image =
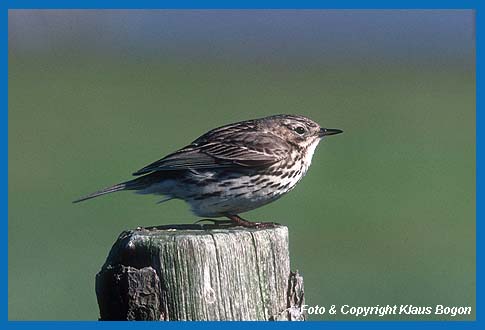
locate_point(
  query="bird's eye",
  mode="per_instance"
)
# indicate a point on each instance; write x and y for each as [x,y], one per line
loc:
[300,130]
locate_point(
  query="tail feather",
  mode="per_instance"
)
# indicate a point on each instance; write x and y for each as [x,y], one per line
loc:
[135,184]
[116,187]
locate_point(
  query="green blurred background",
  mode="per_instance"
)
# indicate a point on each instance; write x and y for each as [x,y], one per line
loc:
[386,214]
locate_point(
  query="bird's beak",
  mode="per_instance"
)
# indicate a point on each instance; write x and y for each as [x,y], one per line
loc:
[329,131]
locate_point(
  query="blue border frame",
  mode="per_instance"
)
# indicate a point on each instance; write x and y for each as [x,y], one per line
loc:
[248,4]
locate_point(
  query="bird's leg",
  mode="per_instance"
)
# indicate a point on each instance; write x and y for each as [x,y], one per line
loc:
[237,220]
[215,222]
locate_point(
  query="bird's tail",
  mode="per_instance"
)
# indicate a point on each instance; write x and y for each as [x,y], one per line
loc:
[136,184]
[116,187]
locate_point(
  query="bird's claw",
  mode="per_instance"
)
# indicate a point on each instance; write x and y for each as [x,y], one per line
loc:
[214,222]
[241,223]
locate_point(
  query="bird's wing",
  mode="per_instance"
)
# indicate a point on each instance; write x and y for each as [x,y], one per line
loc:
[246,149]
[186,158]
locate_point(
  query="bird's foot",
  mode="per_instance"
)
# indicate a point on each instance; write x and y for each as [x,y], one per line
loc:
[214,222]
[237,220]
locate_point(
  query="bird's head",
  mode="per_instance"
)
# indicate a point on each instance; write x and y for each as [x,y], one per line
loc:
[296,129]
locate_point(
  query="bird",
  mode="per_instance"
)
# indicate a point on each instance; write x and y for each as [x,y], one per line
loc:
[234,168]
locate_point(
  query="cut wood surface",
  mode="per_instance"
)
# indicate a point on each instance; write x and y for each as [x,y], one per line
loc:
[200,272]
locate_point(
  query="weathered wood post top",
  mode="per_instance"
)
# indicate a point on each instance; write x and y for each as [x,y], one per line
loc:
[200,272]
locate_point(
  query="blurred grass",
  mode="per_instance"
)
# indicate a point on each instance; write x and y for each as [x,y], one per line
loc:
[386,214]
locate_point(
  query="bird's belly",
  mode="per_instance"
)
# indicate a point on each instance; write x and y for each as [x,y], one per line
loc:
[216,200]
[229,204]
[215,194]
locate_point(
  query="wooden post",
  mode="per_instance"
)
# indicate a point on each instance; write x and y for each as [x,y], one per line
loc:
[195,272]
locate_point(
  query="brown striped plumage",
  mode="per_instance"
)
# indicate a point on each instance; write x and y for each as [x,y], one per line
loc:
[233,168]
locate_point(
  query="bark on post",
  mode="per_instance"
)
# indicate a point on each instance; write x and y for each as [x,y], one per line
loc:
[193,272]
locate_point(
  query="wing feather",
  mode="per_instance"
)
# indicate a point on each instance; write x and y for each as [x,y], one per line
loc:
[247,149]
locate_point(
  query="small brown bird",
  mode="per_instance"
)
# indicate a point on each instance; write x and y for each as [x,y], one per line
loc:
[234,168]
